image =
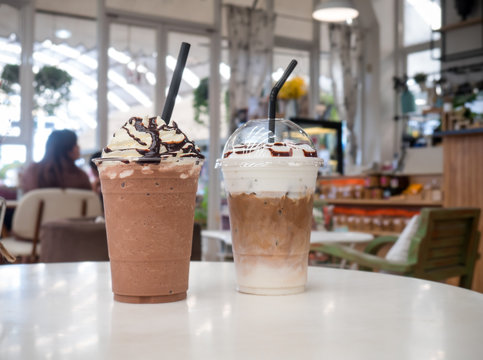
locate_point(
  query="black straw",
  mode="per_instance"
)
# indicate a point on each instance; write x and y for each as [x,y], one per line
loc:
[175,81]
[272,104]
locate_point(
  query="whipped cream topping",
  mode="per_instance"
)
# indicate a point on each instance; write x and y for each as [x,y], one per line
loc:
[263,151]
[150,138]
[270,170]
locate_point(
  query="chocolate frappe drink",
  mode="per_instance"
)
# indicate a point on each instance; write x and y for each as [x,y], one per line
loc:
[149,178]
[270,182]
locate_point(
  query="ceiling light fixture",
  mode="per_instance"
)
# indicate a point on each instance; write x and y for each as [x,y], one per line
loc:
[335,11]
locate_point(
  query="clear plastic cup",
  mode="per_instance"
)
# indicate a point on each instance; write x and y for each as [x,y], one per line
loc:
[149,208]
[270,180]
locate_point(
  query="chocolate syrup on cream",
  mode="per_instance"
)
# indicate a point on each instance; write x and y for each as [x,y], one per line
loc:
[287,150]
[171,148]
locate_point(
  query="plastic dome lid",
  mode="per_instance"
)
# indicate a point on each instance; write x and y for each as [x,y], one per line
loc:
[255,140]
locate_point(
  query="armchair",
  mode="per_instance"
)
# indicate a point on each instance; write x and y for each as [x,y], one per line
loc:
[42,205]
[445,245]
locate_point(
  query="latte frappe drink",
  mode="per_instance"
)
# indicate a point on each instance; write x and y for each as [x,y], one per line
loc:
[270,182]
[149,178]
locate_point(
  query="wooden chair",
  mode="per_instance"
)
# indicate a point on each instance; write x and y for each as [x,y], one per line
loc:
[445,245]
[4,254]
[42,205]
[196,243]
[73,239]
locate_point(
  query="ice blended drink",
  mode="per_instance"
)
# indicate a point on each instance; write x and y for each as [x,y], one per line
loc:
[270,182]
[149,178]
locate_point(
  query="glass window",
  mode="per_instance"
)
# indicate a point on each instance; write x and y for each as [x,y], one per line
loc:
[326,108]
[281,58]
[65,72]
[132,73]
[420,18]
[424,62]
[422,71]
[191,111]
[9,72]
[12,157]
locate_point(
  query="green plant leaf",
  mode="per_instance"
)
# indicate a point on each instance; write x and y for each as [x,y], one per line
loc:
[53,86]
[200,100]
[10,75]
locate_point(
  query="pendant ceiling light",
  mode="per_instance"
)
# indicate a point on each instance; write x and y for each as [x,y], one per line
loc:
[335,11]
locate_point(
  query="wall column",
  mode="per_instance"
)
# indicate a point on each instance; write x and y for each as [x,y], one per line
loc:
[102,69]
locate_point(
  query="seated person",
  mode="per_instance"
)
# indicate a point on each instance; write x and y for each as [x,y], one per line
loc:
[57,169]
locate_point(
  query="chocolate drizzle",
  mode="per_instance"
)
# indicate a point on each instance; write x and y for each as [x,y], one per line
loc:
[310,153]
[159,148]
[242,149]
[276,153]
[151,129]
[138,125]
[287,152]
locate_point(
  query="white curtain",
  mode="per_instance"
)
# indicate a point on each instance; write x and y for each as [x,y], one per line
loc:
[346,62]
[250,34]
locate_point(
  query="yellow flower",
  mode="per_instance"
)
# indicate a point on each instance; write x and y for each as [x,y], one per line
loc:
[293,89]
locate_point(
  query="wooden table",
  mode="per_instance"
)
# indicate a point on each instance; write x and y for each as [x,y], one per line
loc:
[66,311]
[463,179]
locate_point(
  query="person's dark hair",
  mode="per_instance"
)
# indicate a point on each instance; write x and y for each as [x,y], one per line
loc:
[56,159]
[93,166]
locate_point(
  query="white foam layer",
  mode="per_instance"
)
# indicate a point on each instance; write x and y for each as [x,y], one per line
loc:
[277,177]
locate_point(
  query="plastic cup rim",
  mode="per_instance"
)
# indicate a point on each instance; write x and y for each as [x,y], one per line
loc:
[255,162]
[148,160]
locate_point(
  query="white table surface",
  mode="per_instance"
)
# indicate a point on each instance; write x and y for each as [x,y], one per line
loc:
[66,311]
[348,237]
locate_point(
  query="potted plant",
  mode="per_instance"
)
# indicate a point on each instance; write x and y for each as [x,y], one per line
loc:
[420,79]
[9,77]
[52,85]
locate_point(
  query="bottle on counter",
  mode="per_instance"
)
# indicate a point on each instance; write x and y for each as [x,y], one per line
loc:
[385,186]
[398,184]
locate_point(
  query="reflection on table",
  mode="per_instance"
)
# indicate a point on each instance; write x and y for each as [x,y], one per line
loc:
[66,311]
